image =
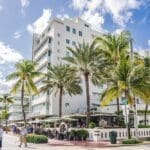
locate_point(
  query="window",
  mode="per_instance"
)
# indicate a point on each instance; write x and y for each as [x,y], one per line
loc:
[67,41]
[58,58]
[49,40]
[49,53]
[48,28]
[58,43]
[73,43]
[74,31]
[67,53]
[58,34]
[66,104]
[86,25]
[68,28]
[58,50]
[80,33]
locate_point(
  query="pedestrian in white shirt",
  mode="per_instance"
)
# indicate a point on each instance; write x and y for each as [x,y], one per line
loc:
[23,135]
[1,136]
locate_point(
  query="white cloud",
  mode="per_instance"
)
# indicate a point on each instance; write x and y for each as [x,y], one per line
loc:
[25,3]
[94,18]
[79,4]
[5,86]
[119,30]
[120,10]
[39,25]
[62,16]
[16,35]
[148,42]
[8,54]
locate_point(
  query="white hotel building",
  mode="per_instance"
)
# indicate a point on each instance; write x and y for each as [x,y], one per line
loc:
[51,47]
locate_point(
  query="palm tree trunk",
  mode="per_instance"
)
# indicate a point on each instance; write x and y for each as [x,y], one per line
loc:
[60,101]
[118,108]
[128,123]
[87,98]
[145,114]
[5,113]
[22,104]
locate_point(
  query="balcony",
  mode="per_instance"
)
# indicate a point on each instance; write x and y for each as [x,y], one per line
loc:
[41,50]
[39,100]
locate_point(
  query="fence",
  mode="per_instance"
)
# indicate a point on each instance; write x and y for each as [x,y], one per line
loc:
[103,134]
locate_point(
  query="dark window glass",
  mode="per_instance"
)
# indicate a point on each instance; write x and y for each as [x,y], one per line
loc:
[67,41]
[73,43]
[80,33]
[68,28]
[58,34]
[58,43]
[74,30]
[49,40]
[49,53]
[86,25]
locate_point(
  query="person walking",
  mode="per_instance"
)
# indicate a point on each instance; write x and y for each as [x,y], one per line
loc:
[1,136]
[23,135]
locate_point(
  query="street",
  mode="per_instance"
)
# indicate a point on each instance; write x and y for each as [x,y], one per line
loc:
[11,143]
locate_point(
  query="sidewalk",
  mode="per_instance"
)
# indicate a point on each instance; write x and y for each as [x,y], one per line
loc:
[11,142]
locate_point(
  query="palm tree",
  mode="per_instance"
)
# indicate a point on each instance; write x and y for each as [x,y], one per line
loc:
[111,46]
[24,75]
[85,58]
[129,80]
[6,99]
[147,65]
[61,79]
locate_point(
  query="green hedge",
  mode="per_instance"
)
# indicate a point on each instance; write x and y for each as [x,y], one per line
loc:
[131,141]
[143,126]
[92,125]
[79,134]
[33,138]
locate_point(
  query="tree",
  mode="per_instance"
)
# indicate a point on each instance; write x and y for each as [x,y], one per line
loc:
[112,46]
[6,99]
[24,75]
[61,79]
[129,79]
[85,59]
[147,65]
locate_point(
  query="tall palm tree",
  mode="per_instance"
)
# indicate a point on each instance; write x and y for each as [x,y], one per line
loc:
[85,58]
[24,75]
[6,99]
[61,79]
[129,80]
[147,65]
[111,46]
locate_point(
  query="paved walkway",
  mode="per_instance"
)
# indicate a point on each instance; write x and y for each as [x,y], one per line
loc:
[11,143]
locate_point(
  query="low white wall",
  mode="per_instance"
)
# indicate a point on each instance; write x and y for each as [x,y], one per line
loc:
[103,134]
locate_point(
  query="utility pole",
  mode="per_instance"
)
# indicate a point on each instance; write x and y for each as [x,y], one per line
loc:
[135,106]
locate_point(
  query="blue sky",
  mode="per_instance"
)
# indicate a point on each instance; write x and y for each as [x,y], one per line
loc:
[20,18]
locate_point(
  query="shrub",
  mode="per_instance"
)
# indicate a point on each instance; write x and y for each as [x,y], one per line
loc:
[113,137]
[143,126]
[92,125]
[33,138]
[79,134]
[131,141]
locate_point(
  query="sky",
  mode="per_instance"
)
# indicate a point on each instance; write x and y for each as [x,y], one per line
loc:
[19,19]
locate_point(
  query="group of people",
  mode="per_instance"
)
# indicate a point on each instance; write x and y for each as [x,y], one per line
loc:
[22,135]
